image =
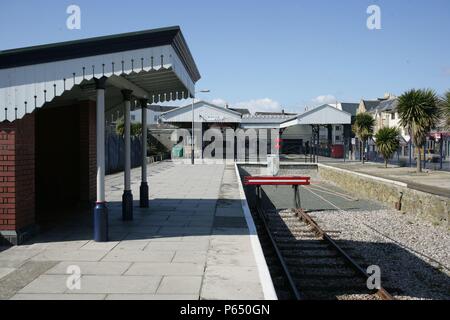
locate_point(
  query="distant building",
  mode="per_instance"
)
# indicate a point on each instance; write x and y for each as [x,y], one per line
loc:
[370,105]
[153,114]
[351,108]
[282,113]
[242,111]
[322,126]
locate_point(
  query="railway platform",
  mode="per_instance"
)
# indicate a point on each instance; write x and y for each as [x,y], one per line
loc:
[194,242]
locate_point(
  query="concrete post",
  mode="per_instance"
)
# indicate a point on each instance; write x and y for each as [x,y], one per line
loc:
[127,197]
[143,190]
[100,210]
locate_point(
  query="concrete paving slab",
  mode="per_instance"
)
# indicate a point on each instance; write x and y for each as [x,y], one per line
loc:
[166,269]
[190,257]
[166,238]
[59,245]
[49,296]
[229,212]
[178,246]
[5,271]
[92,245]
[183,231]
[23,275]
[67,255]
[91,268]
[118,284]
[11,263]
[164,253]
[134,244]
[123,255]
[152,297]
[222,282]
[47,284]
[180,285]
[231,257]
[18,254]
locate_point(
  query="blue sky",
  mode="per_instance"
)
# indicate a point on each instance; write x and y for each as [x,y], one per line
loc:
[269,54]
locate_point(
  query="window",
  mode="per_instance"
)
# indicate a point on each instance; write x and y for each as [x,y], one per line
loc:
[338,138]
[393,116]
[338,128]
[155,118]
[133,117]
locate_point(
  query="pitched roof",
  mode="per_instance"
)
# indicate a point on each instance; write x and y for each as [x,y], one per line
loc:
[350,107]
[267,118]
[388,105]
[187,109]
[371,104]
[102,45]
[240,110]
[324,114]
[263,113]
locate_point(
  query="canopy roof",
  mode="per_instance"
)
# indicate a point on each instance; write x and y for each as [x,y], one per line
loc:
[155,64]
[322,115]
[204,112]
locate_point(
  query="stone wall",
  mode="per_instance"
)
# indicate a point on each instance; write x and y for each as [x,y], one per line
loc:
[432,207]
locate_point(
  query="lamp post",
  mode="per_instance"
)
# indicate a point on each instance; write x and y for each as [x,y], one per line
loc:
[192,133]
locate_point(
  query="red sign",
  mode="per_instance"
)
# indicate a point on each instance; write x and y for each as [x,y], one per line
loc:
[277,181]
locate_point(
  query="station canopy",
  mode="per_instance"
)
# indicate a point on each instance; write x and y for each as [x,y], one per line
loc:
[156,64]
[322,115]
[204,112]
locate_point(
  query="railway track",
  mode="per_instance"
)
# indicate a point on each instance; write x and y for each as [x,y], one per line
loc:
[307,263]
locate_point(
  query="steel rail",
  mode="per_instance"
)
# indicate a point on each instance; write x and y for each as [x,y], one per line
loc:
[280,258]
[303,216]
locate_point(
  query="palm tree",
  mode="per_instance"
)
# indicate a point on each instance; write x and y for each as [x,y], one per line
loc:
[445,105]
[387,142]
[418,111]
[363,128]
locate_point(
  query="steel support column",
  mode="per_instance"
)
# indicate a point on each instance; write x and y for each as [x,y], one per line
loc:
[100,210]
[192,133]
[143,190]
[127,197]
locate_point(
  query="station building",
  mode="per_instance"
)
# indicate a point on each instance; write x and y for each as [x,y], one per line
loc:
[53,101]
[322,126]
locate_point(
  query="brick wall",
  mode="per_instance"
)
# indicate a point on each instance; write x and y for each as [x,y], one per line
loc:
[17,173]
[88,155]
[39,141]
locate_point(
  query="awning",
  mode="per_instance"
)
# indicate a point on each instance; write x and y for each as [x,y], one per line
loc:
[322,115]
[155,64]
[204,112]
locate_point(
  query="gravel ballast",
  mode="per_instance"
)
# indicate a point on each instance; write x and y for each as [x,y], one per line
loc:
[413,255]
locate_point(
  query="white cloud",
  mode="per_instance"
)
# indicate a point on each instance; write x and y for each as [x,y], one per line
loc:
[265,104]
[319,100]
[219,102]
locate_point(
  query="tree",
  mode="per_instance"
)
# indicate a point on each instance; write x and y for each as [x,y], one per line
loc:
[418,112]
[363,129]
[135,128]
[387,142]
[445,108]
